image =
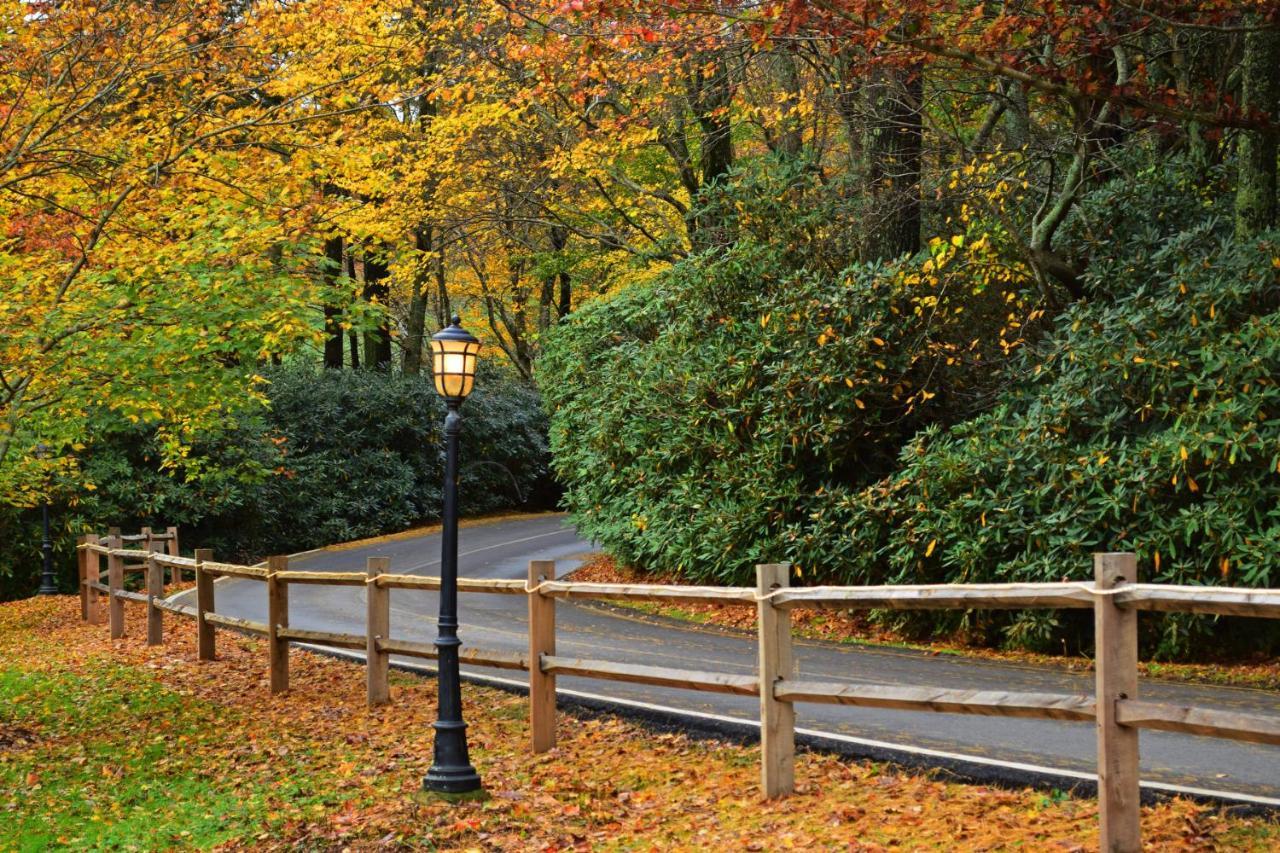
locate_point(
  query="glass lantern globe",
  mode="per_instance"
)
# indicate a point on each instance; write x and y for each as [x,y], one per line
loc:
[454,355]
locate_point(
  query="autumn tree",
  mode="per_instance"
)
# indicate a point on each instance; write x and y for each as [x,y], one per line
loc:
[156,243]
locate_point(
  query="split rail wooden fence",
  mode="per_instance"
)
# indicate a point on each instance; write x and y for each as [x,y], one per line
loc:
[1115,597]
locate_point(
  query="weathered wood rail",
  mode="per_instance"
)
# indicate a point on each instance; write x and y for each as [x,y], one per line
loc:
[1115,597]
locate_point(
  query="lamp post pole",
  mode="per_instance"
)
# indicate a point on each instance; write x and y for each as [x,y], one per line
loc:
[451,771]
[48,584]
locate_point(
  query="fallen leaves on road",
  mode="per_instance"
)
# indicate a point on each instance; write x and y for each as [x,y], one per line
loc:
[314,769]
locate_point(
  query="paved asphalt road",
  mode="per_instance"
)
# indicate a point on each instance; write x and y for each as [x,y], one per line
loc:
[584,629]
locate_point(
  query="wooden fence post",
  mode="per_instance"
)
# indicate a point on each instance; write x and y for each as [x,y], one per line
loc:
[104,612]
[542,641]
[172,549]
[115,582]
[277,618]
[377,627]
[155,592]
[205,643]
[93,574]
[1116,667]
[777,719]
[82,573]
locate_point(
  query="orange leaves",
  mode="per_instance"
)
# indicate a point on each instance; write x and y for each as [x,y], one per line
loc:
[609,782]
[153,213]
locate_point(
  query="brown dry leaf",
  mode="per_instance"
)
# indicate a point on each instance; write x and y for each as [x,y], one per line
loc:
[610,783]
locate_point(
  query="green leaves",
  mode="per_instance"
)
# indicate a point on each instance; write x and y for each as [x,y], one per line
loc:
[734,402]
[749,408]
[1145,421]
[337,455]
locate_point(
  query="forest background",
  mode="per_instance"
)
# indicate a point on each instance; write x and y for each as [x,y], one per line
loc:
[929,290]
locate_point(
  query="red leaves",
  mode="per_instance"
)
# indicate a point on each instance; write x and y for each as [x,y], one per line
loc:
[579,7]
[1063,50]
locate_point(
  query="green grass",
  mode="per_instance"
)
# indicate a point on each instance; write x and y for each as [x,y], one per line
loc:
[121,762]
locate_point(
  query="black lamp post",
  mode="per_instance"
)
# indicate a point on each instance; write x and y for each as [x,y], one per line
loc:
[454,353]
[48,584]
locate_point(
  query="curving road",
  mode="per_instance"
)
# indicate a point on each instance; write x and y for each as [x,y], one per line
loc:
[1047,751]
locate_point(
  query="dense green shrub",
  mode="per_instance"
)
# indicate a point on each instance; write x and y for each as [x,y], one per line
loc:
[338,455]
[1149,420]
[702,420]
[362,454]
[694,435]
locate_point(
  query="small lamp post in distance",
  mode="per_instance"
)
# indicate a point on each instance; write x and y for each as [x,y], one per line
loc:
[454,354]
[48,584]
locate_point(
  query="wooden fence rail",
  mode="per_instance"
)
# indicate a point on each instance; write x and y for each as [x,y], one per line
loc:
[1114,596]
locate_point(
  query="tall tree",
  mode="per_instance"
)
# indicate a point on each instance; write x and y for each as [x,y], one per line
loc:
[377,292]
[333,332]
[148,205]
[896,151]
[1256,201]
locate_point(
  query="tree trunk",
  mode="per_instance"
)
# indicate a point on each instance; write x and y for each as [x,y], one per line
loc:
[416,323]
[711,96]
[444,308]
[848,103]
[566,294]
[1260,96]
[352,336]
[1017,131]
[377,288]
[897,139]
[714,97]
[332,328]
[790,136]
[508,326]
[564,303]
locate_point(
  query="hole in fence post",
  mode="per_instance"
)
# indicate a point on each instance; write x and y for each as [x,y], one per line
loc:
[206,648]
[377,630]
[542,641]
[1116,669]
[777,719]
[277,618]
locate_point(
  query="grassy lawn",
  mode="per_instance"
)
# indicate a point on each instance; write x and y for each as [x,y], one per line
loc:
[111,745]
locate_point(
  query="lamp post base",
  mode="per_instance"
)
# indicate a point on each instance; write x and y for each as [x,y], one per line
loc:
[452,780]
[451,771]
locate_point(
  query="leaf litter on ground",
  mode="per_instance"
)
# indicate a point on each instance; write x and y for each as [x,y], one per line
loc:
[115,744]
